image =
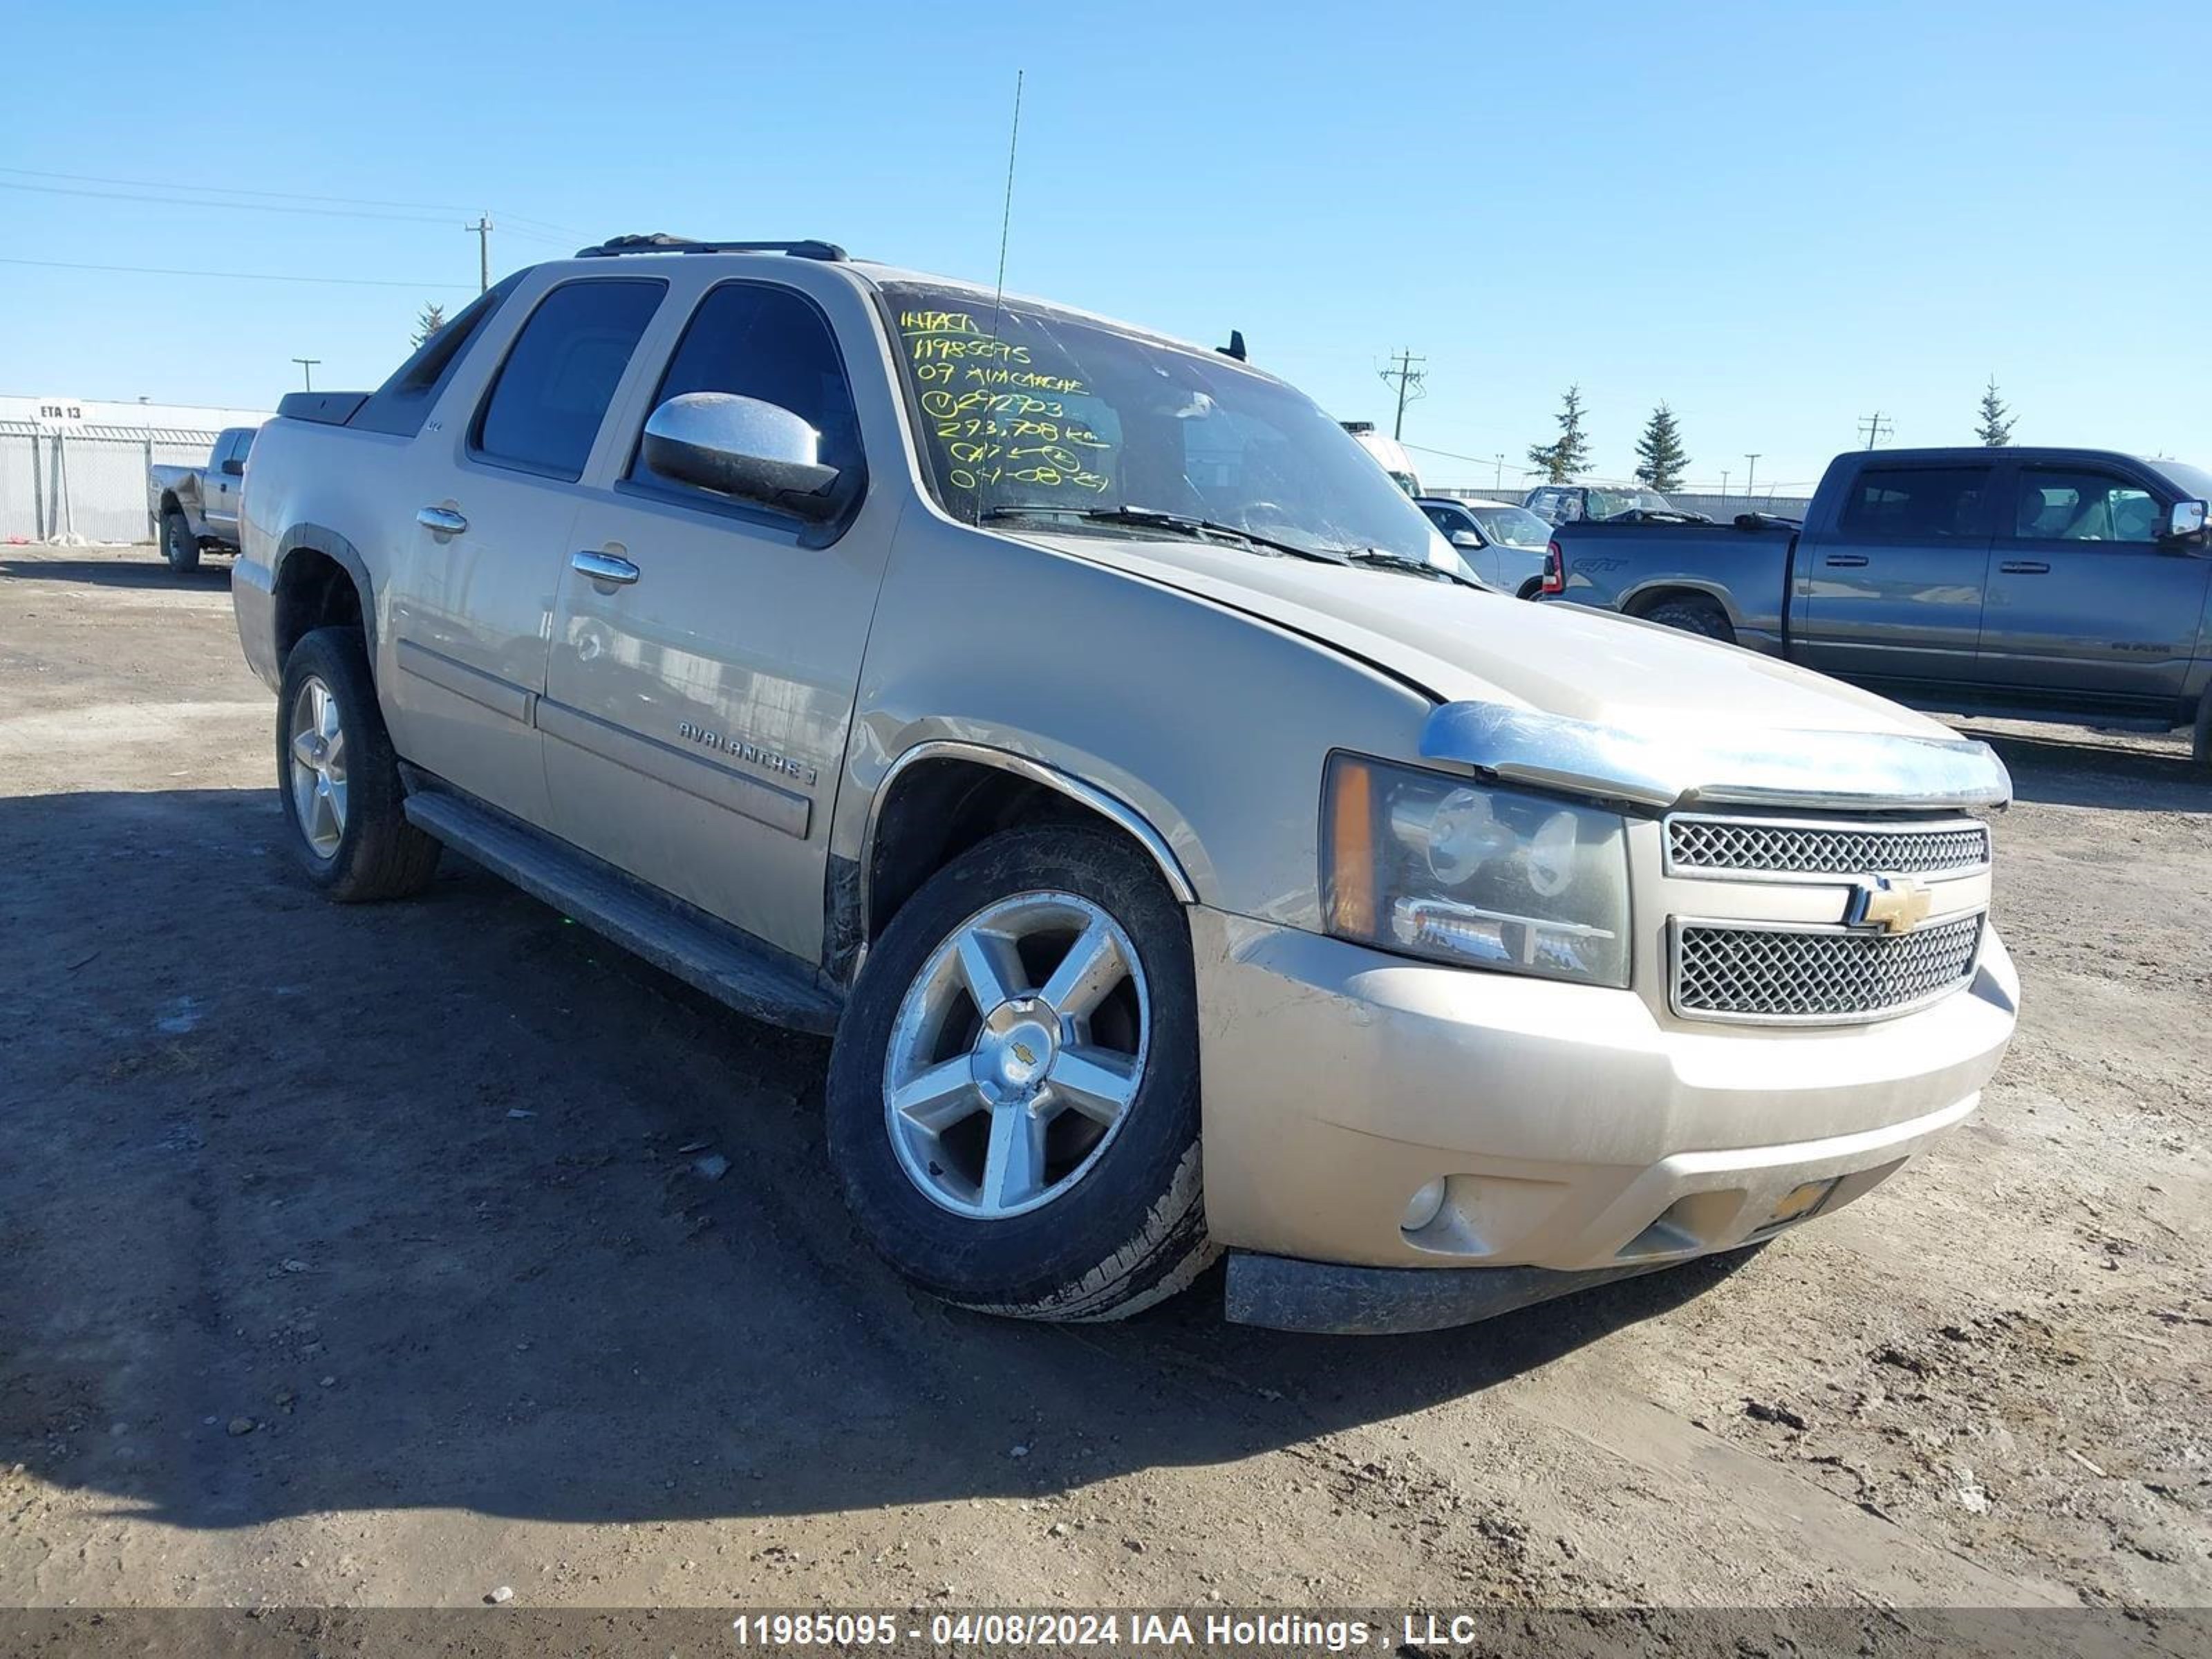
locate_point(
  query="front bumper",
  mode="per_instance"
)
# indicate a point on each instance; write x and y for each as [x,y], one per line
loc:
[1575,1128]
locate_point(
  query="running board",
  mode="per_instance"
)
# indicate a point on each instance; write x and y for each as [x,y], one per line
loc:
[701,952]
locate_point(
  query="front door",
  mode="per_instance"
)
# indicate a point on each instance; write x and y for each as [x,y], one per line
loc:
[705,653]
[1892,592]
[219,493]
[482,542]
[2085,600]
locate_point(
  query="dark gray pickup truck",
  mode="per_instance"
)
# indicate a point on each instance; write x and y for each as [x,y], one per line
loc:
[2069,585]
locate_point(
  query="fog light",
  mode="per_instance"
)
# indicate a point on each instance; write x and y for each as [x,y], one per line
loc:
[1422,1208]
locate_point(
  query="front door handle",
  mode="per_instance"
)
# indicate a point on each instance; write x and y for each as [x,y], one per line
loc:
[1845,561]
[441,520]
[604,567]
[2025,567]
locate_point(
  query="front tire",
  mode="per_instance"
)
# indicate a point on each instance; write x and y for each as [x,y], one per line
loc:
[338,777]
[1013,1094]
[179,545]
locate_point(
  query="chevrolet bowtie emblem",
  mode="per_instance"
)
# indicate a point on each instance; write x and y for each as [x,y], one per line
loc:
[1896,904]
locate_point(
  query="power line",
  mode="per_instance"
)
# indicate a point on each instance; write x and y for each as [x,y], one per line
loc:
[226,275]
[171,187]
[246,207]
[229,189]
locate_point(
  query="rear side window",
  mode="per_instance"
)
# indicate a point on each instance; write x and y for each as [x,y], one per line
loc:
[771,344]
[1916,501]
[544,409]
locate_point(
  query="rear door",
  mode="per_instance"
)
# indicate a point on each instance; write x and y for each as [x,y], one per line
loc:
[696,708]
[1893,589]
[482,535]
[2085,600]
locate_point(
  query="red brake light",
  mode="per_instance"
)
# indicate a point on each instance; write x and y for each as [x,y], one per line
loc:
[1555,569]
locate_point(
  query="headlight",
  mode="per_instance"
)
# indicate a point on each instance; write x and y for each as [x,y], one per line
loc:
[1433,865]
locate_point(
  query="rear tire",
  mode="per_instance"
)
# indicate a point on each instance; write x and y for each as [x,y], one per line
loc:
[1083,1080]
[179,545]
[338,778]
[2200,746]
[1694,616]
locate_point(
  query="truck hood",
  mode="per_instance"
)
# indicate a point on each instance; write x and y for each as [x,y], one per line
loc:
[1460,645]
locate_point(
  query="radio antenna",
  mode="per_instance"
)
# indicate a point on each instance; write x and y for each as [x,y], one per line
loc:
[1006,215]
[1005,226]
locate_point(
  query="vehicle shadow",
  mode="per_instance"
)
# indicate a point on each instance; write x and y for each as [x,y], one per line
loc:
[311,1207]
[2093,770]
[147,570]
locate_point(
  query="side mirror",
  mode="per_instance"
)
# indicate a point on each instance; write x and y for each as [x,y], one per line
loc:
[744,448]
[1465,538]
[236,468]
[2187,520]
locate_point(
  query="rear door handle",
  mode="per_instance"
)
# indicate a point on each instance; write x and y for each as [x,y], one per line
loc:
[441,519]
[1845,561]
[604,567]
[2025,567]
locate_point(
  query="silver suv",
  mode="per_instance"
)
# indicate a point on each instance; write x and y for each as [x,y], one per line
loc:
[1076,723]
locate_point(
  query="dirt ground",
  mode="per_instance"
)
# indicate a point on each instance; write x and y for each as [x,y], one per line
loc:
[363,1256]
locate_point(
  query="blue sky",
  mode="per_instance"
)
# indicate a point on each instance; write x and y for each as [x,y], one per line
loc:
[1778,219]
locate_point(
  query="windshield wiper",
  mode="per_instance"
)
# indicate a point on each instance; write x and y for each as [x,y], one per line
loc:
[1154,518]
[1376,557]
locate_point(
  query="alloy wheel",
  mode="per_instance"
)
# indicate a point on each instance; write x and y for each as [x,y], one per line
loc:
[319,767]
[1016,1053]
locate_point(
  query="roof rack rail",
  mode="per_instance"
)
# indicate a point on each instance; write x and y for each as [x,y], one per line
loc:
[661,243]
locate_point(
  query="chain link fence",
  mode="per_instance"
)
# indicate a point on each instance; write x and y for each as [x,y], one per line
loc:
[86,484]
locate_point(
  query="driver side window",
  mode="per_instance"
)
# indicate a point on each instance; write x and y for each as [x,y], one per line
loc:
[770,343]
[2075,505]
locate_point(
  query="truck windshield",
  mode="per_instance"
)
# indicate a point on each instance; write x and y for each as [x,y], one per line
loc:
[1611,504]
[1512,526]
[1027,409]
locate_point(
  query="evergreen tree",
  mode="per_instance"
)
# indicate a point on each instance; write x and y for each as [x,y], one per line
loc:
[432,319]
[1996,430]
[1568,453]
[1661,452]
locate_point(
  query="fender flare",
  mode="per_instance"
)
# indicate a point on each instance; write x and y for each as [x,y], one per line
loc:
[1109,806]
[318,538]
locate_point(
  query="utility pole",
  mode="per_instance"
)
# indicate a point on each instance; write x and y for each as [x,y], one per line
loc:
[1409,380]
[1724,478]
[1751,473]
[1874,428]
[482,229]
[308,370]
[1498,483]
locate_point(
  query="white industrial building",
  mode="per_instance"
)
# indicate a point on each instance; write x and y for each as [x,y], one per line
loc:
[74,469]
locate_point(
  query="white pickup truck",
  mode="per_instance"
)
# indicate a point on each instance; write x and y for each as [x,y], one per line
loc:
[1187,856]
[196,506]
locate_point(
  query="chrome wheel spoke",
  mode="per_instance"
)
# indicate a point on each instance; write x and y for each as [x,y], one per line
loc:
[1092,968]
[1096,1082]
[1013,1165]
[991,967]
[939,1097]
[334,755]
[303,749]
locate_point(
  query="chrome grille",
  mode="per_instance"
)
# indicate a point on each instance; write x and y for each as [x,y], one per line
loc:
[1752,846]
[1728,971]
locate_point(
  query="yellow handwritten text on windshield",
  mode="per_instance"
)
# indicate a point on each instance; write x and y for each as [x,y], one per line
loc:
[998,416]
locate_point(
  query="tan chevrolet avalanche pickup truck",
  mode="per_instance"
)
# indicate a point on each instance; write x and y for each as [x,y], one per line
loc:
[1188,855]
